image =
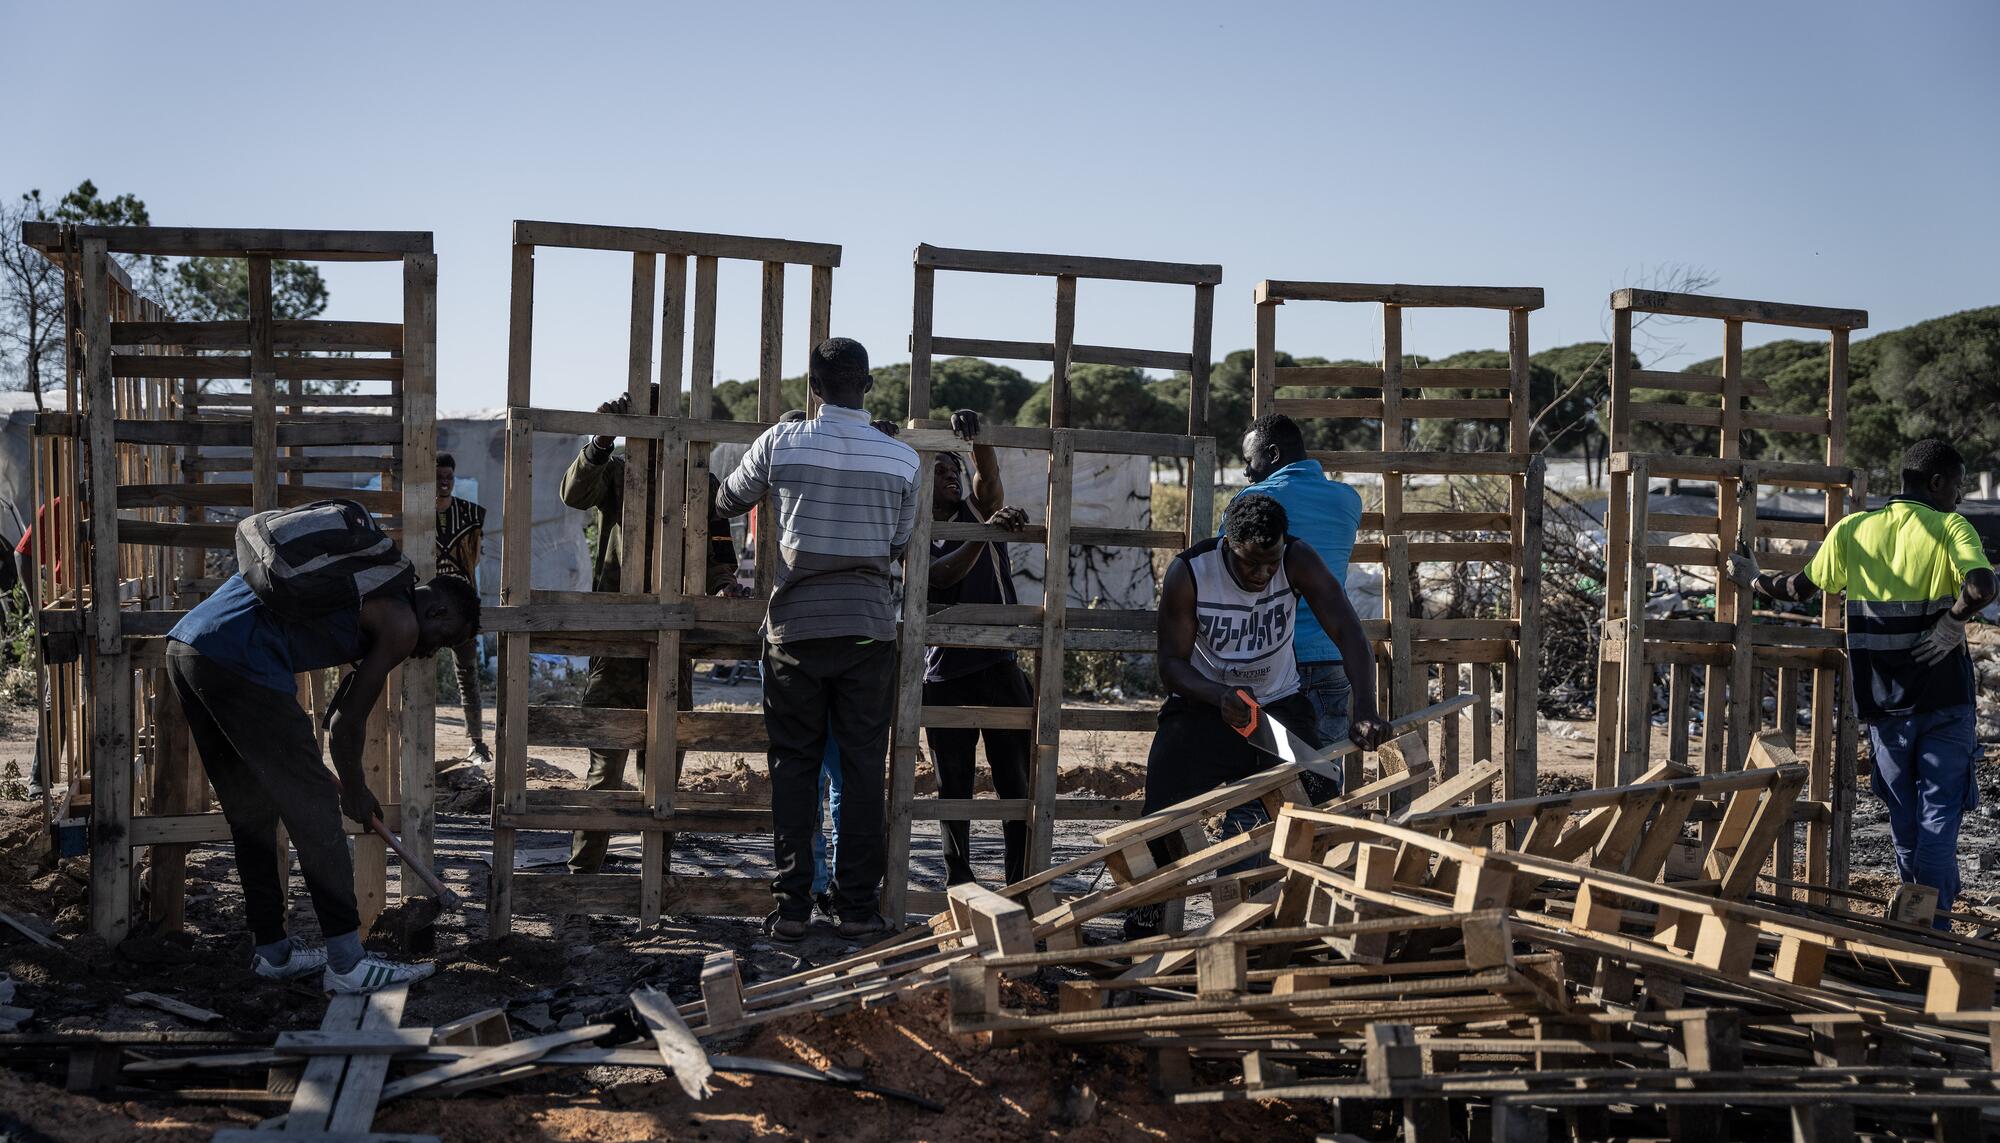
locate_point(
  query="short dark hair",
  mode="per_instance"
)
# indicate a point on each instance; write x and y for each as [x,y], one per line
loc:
[839,363]
[1930,458]
[1280,430]
[1254,518]
[460,595]
[445,461]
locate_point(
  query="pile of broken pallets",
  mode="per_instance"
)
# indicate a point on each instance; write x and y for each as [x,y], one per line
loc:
[1506,970]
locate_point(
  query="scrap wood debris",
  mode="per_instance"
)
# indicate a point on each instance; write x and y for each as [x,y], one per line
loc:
[1485,969]
[1628,951]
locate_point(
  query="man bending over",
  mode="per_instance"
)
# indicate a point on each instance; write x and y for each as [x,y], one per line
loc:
[233,662]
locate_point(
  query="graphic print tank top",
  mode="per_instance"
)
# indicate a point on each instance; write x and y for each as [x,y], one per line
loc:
[1243,639]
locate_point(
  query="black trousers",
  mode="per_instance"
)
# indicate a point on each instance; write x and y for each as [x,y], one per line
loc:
[264,761]
[1007,755]
[1195,750]
[851,686]
[465,657]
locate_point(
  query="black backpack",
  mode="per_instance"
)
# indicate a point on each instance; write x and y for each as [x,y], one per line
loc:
[327,556]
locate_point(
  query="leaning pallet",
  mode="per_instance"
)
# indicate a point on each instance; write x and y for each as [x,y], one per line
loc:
[1478,424]
[1739,659]
[1060,623]
[659,612]
[151,420]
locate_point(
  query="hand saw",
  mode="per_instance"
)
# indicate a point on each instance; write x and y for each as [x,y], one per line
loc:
[1266,733]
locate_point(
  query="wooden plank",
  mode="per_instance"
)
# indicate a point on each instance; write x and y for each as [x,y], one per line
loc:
[312,1105]
[219,242]
[1459,409]
[501,1056]
[1411,462]
[680,243]
[678,1046]
[416,729]
[922,345]
[1045,351]
[1061,265]
[1737,309]
[904,745]
[1523,680]
[1048,689]
[1366,408]
[1476,297]
[1061,353]
[1265,368]
[238,496]
[286,368]
[1198,359]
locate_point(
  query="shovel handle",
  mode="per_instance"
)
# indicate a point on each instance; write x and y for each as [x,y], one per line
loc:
[445,896]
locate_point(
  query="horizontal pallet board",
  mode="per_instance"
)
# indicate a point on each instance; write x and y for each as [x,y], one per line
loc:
[1046,351]
[1737,309]
[1063,265]
[1471,297]
[223,242]
[681,243]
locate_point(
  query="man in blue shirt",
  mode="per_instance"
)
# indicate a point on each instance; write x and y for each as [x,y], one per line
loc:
[1326,514]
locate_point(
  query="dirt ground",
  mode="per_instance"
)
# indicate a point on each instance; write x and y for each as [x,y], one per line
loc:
[564,972]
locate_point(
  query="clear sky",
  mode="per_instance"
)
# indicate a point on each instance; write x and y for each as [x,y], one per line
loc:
[1827,153]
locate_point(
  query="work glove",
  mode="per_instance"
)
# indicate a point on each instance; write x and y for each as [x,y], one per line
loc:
[1945,636]
[1743,570]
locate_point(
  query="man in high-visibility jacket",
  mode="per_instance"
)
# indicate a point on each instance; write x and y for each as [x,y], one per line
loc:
[1913,573]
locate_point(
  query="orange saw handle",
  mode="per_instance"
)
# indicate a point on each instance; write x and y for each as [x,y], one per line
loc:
[1256,714]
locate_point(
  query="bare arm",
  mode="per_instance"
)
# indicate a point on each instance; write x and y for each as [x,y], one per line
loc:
[1978,590]
[752,478]
[1177,636]
[391,628]
[958,564]
[989,492]
[1328,600]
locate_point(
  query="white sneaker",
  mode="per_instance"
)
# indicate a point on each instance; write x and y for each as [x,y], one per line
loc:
[373,974]
[302,962]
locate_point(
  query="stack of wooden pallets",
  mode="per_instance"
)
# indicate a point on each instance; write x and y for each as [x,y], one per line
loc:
[1630,953]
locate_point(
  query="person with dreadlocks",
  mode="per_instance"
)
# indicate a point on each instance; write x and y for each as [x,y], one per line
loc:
[1914,573]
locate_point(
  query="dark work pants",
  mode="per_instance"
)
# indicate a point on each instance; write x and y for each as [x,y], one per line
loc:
[811,686]
[465,657]
[1007,754]
[263,759]
[617,683]
[1195,751]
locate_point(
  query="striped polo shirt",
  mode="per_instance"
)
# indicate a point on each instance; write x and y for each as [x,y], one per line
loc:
[846,500]
[1900,566]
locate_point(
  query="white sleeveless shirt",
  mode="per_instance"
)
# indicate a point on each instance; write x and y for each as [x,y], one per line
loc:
[1243,639]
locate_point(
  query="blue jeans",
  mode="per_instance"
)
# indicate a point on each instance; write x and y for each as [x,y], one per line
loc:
[829,794]
[1923,772]
[1326,687]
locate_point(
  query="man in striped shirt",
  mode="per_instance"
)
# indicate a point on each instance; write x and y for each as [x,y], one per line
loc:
[845,496]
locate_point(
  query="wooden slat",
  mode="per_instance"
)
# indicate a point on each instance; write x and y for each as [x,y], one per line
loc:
[1045,351]
[287,335]
[1738,309]
[1327,376]
[1474,297]
[1369,408]
[1425,463]
[237,495]
[1466,409]
[218,242]
[1666,413]
[1813,423]
[1063,265]
[1707,383]
[682,243]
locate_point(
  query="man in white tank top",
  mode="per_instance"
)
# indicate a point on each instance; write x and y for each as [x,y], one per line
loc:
[1227,613]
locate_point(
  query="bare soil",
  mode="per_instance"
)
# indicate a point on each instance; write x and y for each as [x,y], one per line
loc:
[554,972]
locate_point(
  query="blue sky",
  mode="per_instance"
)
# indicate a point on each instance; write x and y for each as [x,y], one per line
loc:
[1826,153]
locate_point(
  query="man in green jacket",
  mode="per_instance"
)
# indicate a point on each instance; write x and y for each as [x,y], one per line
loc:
[595,483]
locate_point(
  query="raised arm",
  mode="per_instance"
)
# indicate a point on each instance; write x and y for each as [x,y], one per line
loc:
[752,478]
[989,492]
[1328,600]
